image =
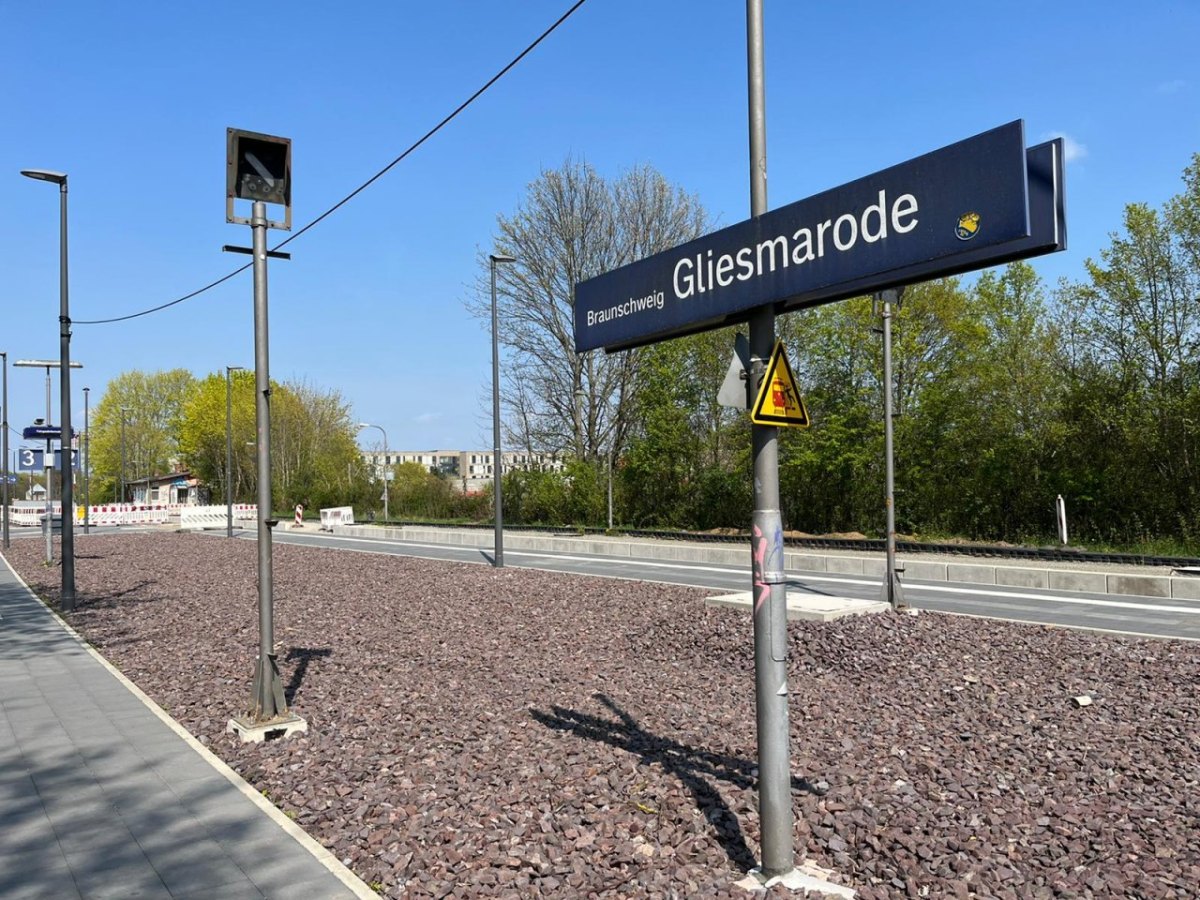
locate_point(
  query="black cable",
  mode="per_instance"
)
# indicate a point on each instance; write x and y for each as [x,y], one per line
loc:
[358,190]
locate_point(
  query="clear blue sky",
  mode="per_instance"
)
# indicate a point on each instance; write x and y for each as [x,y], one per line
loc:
[133,99]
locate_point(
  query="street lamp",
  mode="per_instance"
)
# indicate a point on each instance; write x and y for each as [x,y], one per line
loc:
[497,465]
[229,448]
[123,410]
[362,425]
[87,444]
[64,333]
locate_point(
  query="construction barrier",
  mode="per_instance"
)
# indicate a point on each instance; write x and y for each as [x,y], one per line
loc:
[29,513]
[128,514]
[336,515]
[201,517]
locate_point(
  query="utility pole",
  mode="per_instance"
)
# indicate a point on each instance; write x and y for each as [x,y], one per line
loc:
[893,593]
[769,581]
[259,169]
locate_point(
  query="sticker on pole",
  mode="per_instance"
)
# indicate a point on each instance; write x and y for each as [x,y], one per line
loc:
[779,401]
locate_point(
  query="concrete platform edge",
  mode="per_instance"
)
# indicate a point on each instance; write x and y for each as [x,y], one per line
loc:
[302,837]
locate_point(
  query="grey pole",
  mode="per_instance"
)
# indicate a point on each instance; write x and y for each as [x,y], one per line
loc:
[47,463]
[385,464]
[87,445]
[386,513]
[67,494]
[122,455]
[769,582]
[892,592]
[268,688]
[229,450]
[4,440]
[497,460]
[610,456]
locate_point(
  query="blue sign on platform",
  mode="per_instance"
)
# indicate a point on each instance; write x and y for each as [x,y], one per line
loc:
[43,433]
[34,460]
[979,202]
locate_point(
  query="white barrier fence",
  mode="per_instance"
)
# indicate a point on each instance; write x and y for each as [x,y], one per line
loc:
[201,517]
[29,513]
[125,514]
[336,515]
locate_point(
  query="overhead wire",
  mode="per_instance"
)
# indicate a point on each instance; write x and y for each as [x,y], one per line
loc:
[362,187]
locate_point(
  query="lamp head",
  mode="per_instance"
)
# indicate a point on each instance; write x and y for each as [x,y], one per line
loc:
[502,258]
[58,178]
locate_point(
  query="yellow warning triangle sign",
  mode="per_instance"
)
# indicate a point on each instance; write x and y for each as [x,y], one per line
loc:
[779,401]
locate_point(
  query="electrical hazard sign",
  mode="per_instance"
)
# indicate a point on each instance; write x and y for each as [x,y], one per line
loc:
[779,401]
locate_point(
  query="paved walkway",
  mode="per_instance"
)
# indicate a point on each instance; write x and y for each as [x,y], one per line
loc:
[101,798]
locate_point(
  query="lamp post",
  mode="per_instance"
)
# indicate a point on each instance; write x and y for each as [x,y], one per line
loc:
[497,464]
[4,440]
[87,444]
[229,448]
[64,334]
[123,411]
[362,425]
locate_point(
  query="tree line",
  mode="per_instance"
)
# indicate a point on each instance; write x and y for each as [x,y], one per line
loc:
[1008,392]
[153,423]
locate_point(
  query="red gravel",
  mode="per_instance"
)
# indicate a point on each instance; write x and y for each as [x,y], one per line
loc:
[516,733]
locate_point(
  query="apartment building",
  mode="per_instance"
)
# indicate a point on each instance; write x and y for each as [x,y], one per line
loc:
[469,470]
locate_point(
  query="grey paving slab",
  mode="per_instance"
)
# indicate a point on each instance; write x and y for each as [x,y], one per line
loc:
[100,798]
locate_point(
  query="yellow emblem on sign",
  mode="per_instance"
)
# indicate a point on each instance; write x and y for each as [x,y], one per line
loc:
[779,401]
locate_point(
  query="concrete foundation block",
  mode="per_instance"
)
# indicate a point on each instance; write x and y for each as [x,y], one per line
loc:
[805,607]
[254,732]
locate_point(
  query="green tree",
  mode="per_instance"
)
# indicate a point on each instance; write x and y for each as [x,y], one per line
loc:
[314,458]
[144,407]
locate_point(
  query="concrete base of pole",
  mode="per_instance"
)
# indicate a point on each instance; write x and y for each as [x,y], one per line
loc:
[807,607]
[892,592]
[254,732]
[805,879]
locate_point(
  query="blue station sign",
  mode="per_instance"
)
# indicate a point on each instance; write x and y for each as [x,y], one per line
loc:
[43,432]
[979,202]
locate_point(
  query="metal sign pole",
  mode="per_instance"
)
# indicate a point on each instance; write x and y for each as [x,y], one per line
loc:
[268,688]
[892,592]
[769,583]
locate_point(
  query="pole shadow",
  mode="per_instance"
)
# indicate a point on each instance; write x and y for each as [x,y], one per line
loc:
[305,655]
[692,766]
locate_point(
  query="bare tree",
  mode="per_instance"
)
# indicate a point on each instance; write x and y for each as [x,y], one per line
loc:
[573,225]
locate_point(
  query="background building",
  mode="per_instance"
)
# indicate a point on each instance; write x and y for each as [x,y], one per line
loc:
[468,470]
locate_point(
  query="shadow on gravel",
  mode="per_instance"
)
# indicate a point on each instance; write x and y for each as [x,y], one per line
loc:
[305,655]
[115,597]
[690,765]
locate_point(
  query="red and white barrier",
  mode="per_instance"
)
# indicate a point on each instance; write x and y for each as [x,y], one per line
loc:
[201,517]
[128,514]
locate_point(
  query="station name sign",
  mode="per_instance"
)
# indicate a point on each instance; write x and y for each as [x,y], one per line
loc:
[979,202]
